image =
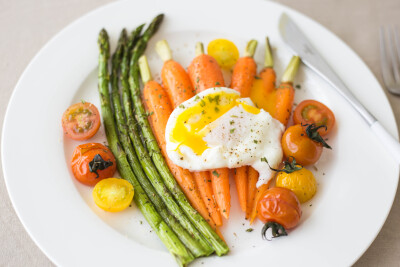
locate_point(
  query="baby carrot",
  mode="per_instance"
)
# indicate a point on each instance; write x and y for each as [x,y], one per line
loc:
[221,188]
[252,190]
[204,184]
[242,80]
[205,73]
[241,181]
[179,88]
[285,92]
[245,70]
[263,92]
[174,77]
[159,107]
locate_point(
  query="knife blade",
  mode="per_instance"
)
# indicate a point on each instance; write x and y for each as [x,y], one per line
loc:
[296,40]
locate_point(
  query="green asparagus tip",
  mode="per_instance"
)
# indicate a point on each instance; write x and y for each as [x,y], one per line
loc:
[138,29]
[291,70]
[145,72]
[153,27]
[163,50]
[268,61]
[199,49]
[103,42]
[250,48]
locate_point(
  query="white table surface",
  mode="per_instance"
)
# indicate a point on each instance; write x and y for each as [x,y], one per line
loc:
[26,25]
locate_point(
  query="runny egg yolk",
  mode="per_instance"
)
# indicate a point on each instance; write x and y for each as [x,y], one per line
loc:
[193,123]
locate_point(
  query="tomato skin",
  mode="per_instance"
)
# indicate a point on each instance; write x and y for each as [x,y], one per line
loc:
[83,154]
[279,205]
[312,111]
[81,121]
[301,182]
[296,143]
[224,51]
[113,194]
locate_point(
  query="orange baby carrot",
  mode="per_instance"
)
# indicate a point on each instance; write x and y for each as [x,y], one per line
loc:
[205,73]
[179,88]
[242,80]
[252,189]
[220,183]
[241,181]
[158,105]
[204,184]
[259,193]
[285,92]
[245,70]
[263,92]
[174,77]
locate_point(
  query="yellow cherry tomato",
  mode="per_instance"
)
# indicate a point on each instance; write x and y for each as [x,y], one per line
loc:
[302,182]
[224,51]
[113,194]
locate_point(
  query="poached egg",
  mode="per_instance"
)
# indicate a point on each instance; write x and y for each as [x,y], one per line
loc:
[216,129]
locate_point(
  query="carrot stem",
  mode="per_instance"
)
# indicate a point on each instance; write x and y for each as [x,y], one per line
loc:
[145,69]
[199,49]
[268,60]
[250,48]
[163,50]
[291,70]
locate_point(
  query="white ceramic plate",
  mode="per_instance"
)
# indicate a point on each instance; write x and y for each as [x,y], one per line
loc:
[357,179]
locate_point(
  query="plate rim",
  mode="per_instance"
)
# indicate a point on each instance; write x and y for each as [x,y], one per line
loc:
[106,6]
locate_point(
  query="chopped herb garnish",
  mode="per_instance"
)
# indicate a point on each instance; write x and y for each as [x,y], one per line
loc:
[264,159]
[232,130]
[217,83]
[216,109]
[231,122]
[181,106]
[197,97]
[298,86]
[215,173]
[255,141]
[249,230]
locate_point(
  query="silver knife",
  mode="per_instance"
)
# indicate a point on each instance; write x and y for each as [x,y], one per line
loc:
[296,40]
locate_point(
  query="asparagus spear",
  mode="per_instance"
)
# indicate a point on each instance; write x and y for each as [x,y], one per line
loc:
[187,239]
[167,236]
[156,180]
[212,237]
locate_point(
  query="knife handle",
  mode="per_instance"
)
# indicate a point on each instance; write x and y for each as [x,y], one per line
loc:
[387,140]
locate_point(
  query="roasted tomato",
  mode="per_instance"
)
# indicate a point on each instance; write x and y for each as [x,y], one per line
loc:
[92,162]
[304,143]
[224,51]
[279,209]
[301,181]
[113,194]
[311,111]
[81,121]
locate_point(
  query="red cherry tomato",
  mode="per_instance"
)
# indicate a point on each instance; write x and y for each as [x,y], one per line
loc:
[92,162]
[279,209]
[311,111]
[279,205]
[81,121]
